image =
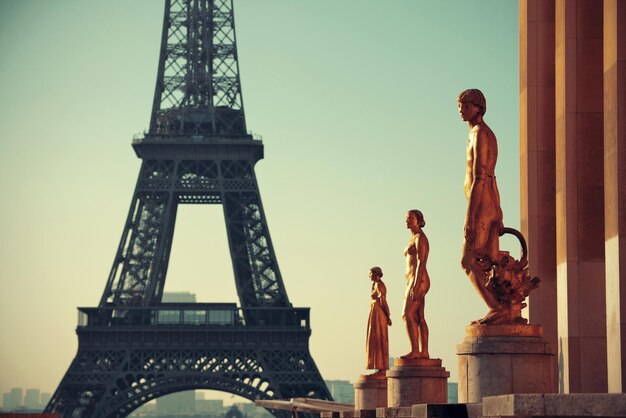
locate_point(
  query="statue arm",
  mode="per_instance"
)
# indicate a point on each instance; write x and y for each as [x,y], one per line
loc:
[423,249]
[383,303]
[376,293]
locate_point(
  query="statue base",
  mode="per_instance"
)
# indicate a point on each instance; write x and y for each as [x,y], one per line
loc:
[416,381]
[504,359]
[370,392]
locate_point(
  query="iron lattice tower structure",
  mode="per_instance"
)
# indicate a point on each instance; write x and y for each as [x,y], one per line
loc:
[133,347]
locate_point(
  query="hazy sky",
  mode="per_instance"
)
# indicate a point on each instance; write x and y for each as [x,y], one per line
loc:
[355,101]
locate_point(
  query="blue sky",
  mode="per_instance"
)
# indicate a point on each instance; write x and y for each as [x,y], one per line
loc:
[355,101]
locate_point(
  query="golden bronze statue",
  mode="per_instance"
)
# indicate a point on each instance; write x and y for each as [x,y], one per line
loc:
[377,344]
[417,285]
[502,282]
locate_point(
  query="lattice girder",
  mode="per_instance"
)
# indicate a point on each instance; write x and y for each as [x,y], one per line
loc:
[112,381]
[138,274]
[251,252]
[142,247]
[198,86]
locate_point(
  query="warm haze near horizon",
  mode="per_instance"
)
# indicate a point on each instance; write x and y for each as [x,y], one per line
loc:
[356,103]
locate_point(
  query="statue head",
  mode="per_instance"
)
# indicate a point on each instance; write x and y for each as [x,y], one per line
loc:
[475,97]
[419,217]
[376,271]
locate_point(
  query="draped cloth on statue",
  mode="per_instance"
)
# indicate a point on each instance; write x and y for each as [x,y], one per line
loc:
[377,346]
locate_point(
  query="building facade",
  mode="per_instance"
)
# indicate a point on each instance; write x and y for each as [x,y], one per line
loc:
[573,183]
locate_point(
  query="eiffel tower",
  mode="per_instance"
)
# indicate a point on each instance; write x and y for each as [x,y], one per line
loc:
[133,347]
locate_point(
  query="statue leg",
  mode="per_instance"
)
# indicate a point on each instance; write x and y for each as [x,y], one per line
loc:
[412,327]
[504,313]
[492,242]
[423,326]
[476,273]
[477,276]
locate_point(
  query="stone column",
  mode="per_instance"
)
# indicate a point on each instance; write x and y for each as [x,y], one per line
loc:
[501,359]
[537,142]
[416,381]
[615,189]
[370,392]
[580,196]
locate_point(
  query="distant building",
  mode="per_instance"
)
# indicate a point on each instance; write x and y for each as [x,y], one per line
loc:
[178,297]
[341,390]
[234,412]
[6,401]
[180,403]
[453,392]
[17,398]
[247,409]
[45,398]
[32,399]
[209,407]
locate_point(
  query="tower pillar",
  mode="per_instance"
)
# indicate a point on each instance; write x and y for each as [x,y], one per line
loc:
[538,161]
[615,189]
[572,156]
[580,196]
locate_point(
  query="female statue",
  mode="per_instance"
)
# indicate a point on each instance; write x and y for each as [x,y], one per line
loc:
[377,345]
[417,285]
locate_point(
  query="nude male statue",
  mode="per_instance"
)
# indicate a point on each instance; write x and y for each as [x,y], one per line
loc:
[483,220]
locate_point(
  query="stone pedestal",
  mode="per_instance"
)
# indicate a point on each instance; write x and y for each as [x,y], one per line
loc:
[370,392]
[504,359]
[416,381]
[556,405]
